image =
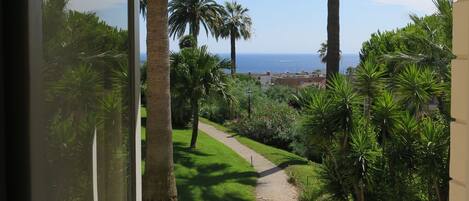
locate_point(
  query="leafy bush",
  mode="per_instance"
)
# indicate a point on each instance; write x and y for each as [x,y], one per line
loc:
[270,123]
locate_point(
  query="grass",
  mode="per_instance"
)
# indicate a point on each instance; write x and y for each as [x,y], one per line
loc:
[212,172]
[302,173]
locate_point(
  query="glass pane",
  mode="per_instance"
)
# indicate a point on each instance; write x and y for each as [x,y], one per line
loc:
[87,98]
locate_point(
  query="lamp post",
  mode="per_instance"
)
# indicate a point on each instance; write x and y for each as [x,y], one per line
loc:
[249,103]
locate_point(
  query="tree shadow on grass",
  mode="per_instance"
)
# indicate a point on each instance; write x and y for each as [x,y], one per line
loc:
[202,185]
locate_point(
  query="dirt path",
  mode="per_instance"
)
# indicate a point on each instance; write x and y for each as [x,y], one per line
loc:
[272,184]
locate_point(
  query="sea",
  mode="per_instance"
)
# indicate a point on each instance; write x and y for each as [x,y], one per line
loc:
[285,63]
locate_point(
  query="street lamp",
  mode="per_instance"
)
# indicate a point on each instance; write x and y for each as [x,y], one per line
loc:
[249,102]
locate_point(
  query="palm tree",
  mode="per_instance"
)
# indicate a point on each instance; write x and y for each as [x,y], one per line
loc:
[236,24]
[193,13]
[198,74]
[333,38]
[159,182]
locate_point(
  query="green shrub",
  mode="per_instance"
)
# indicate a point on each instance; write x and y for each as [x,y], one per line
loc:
[270,123]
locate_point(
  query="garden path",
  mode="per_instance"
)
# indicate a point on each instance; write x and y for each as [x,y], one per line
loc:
[272,184]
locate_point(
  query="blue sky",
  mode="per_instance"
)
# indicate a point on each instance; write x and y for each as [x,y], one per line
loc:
[289,26]
[299,26]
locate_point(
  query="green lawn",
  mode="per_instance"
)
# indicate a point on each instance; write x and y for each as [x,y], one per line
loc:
[302,173]
[212,172]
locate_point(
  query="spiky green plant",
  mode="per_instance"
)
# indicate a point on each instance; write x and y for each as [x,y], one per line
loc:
[369,82]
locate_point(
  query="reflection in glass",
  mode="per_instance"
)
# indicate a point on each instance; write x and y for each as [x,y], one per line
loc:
[87,98]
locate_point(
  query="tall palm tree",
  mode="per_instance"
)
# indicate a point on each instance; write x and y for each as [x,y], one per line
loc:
[236,24]
[198,74]
[333,38]
[193,13]
[158,182]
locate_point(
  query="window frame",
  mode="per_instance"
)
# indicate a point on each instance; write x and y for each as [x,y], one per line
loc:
[22,156]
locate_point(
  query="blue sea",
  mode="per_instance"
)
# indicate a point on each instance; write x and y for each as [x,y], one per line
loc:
[282,63]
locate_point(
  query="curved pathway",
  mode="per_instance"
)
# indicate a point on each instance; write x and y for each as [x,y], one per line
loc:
[272,184]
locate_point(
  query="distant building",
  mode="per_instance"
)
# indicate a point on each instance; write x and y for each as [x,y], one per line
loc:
[301,81]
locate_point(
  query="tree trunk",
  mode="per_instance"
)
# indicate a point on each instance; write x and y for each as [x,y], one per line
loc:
[159,183]
[333,39]
[195,122]
[437,190]
[233,55]
[359,192]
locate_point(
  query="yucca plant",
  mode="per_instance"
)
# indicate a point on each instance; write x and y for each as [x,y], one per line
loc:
[319,119]
[345,100]
[363,158]
[386,112]
[369,82]
[433,154]
[416,87]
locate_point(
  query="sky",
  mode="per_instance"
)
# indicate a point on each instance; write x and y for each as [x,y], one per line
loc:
[290,26]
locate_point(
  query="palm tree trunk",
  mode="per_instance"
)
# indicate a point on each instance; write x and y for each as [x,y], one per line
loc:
[159,183]
[233,55]
[333,39]
[195,122]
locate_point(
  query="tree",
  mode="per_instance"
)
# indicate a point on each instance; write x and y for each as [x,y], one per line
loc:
[159,183]
[196,74]
[236,24]
[193,13]
[323,52]
[333,38]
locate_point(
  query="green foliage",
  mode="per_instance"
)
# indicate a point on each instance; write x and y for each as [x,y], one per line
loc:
[236,22]
[193,14]
[301,172]
[279,93]
[187,41]
[416,87]
[270,123]
[86,89]
[195,75]
[398,148]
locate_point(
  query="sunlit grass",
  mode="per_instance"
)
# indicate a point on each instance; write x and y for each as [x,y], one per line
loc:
[302,173]
[212,172]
